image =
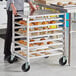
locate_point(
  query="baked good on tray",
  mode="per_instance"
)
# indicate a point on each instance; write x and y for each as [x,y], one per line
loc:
[45,27]
[65,4]
[31,24]
[34,34]
[32,40]
[37,23]
[52,22]
[43,33]
[22,53]
[21,41]
[39,49]
[60,3]
[42,39]
[30,45]
[36,54]
[44,22]
[46,53]
[70,3]
[42,43]
[36,28]
[23,22]
[49,42]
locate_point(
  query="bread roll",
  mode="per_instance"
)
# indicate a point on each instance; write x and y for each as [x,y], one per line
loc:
[32,40]
[70,3]
[65,4]
[23,22]
[44,22]
[59,3]
[49,42]
[52,22]
[42,39]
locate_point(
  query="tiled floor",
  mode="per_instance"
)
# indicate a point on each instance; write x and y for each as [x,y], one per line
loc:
[39,67]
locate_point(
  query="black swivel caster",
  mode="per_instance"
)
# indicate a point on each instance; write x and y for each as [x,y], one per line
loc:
[25,67]
[63,60]
[12,59]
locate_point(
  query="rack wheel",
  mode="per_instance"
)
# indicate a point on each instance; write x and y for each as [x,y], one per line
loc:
[63,60]
[25,67]
[12,59]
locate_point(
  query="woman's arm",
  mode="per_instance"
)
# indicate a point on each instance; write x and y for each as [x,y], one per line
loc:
[13,9]
[31,5]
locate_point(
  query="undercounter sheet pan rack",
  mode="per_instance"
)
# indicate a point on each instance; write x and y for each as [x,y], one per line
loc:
[40,34]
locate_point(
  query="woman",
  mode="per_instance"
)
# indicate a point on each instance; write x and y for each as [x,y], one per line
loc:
[13,6]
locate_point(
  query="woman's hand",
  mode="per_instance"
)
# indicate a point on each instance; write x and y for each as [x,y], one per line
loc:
[31,6]
[14,9]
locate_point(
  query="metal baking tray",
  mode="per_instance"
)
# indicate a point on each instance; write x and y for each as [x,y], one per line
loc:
[67,6]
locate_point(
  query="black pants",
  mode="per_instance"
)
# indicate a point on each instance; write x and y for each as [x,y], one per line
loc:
[8,38]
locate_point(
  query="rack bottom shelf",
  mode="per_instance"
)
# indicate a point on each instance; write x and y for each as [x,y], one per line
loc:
[33,56]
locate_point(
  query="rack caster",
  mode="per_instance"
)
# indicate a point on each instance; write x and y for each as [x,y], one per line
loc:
[12,59]
[63,60]
[26,67]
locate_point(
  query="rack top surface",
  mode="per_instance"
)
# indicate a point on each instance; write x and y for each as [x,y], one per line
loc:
[41,12]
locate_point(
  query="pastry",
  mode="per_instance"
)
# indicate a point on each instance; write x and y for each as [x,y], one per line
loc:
[40,44]
[50,32]
[36,43]
[25,43]
[59,3]
[31,51]
[24,54]
[24,32]
[44,22]
[30,24]
[45,27]
[47,53]
[21,41]
[65,4]
[39,50]
[47,49]
[37,23]
[30,56]
[49,42]
[20,52]
[70,3]
[30,30]
[32,40]
[36,54]
[52,22]
[42,52]
[31,19]
[20,30]
[30,45]
[42,39]
[23,22]
[42,33]
[34,34]
[36,28]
